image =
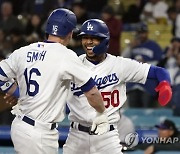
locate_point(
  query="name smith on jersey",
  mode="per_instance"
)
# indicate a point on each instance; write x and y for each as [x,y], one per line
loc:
[34,56]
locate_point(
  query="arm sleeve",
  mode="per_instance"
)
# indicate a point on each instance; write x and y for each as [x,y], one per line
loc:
[5,86]
[159,74]
[134,71]
[155,76]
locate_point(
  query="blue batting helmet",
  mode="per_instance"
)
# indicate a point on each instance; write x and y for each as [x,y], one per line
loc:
[60,22]
[96,27]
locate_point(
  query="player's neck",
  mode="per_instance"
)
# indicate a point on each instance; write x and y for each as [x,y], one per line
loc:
[63,41]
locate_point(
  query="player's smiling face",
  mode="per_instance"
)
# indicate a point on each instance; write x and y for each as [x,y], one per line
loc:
[88,42]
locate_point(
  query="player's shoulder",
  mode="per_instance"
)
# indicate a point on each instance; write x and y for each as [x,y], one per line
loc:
[26,48]
[114,58]
[71,54]
[120,60]
[21,50]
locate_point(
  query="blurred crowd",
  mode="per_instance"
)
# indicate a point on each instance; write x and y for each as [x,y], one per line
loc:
[22,22]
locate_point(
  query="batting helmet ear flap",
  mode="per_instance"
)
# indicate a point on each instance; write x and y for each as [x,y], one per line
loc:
[102,47]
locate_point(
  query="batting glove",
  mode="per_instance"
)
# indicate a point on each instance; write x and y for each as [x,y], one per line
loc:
[100,124]
[16,110]
[165,92]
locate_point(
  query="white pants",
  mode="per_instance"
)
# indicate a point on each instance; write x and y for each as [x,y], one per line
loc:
[79,142]
[28,139]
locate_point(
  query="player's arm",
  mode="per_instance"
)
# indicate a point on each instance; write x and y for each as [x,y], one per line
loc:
[100,124]
[8,67]
[7,85]
[163,86]
[10,87]
[93,96]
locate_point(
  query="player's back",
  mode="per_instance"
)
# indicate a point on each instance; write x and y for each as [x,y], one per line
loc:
[40,71]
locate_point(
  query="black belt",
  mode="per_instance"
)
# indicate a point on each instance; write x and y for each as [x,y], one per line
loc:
[88,129]
[32,122]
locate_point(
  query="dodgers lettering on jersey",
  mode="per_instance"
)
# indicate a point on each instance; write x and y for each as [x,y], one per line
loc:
[101,82]
[33,56]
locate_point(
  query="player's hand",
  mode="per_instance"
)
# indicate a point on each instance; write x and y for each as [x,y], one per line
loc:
[12,100]
[100,124]
[16,110]
[165,92]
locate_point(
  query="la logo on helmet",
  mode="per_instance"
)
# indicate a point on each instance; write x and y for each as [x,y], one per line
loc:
[89,26]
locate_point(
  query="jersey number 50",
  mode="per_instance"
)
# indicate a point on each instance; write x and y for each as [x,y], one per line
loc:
[111,98]
[30,82]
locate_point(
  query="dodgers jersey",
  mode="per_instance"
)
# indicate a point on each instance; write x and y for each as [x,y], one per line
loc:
[110,76]
[43,71]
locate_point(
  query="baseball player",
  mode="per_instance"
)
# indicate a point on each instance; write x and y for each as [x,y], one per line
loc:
[43,71]
[111,74]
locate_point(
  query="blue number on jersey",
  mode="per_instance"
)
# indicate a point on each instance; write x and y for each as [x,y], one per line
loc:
[30,82]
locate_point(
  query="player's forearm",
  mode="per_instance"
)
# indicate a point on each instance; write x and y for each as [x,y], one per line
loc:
[95,100]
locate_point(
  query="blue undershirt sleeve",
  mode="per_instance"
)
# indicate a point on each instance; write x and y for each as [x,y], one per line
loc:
[159,74]
[2,72]
[155,76]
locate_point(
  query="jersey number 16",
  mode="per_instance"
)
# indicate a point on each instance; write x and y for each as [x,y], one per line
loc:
[30,82]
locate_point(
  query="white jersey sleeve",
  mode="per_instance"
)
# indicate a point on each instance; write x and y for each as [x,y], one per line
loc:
[76,71]
[10,66]
[132,70]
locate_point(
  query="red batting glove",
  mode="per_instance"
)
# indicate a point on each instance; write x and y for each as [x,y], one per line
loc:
[165,92]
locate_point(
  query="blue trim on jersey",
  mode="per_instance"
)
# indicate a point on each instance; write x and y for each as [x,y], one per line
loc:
[78,93]
[47,41]
[16,93]
[2,83]
[88,85]
[2,72]
[94,62]
[159,74]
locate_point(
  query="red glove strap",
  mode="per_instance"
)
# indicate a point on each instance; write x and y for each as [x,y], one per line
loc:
[165,92]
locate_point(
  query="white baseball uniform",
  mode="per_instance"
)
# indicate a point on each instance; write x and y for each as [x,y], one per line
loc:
[110,76]
[43,71]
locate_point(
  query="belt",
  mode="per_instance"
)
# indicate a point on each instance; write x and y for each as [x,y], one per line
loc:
[32,122]
[87,129]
